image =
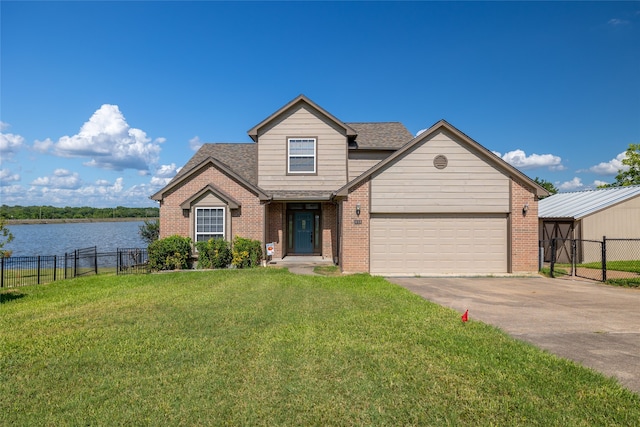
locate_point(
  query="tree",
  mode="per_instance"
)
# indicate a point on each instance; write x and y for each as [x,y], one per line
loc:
[5,237]
[150,231]
[546,185]
[630,176]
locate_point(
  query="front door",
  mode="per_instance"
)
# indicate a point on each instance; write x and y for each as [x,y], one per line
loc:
[303,230]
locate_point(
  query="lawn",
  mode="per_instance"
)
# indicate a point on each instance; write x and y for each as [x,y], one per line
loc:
[266,347]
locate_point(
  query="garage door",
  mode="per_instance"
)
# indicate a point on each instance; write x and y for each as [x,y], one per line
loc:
[438,244]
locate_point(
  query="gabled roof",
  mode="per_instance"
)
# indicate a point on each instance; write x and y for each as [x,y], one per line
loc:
[444,125]
[208,161]
[580,204]
[212,189]
[239,157]
[381,136]
[299,100]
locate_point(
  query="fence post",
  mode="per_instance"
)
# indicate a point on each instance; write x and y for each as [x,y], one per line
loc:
[75,263]
[55,267]
[2,272]
[604,258]
[553,258]
[38,268]
[573,257]
[95,259]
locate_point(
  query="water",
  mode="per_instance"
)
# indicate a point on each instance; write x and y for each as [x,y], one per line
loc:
[56,239]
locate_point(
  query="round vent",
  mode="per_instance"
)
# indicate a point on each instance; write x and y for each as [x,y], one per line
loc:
[440,161]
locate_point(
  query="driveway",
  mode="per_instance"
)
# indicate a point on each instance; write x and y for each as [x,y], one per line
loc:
[595,325]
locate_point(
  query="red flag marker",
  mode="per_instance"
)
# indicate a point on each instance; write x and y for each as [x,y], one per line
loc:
[465,316]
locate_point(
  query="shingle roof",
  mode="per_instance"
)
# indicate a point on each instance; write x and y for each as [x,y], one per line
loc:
[242,158]
[390,135]
[300,195]
[579,204]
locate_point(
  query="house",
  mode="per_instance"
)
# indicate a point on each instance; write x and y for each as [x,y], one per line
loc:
[368,196]
[613,212]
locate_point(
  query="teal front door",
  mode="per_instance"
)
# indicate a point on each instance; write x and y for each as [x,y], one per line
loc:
[303,232]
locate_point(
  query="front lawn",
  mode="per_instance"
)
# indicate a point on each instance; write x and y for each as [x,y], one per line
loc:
[266,347]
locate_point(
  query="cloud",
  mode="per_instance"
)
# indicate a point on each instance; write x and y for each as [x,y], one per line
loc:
[615,22]
[195,143]
[598,183]
[574,184]
[421,131]
[109,142]
[42,146]
[519,159]
[61,179]
[612,167]
[9,143]
[6,176]
[163,175]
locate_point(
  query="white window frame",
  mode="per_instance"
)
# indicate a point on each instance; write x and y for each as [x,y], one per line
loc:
[214,234]
[290,156]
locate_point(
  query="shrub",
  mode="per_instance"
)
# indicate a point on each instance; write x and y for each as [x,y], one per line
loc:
[214,253]
[170,253]
[150,231]
[247,253]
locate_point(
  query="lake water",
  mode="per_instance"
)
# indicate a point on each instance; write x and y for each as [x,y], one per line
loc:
[56,239]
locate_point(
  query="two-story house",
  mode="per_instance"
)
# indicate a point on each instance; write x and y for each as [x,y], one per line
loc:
[369,196]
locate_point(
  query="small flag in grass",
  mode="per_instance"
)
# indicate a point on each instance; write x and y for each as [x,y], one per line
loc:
[465,316]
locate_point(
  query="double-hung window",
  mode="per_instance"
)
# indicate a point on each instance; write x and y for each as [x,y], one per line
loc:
[209,224]
[301,155]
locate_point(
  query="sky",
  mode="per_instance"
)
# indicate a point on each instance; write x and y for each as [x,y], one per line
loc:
[101,103]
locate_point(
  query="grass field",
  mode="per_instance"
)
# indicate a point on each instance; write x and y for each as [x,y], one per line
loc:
[266,347]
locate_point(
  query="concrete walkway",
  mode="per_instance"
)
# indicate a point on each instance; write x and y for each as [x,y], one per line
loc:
[300,264]
[595,325]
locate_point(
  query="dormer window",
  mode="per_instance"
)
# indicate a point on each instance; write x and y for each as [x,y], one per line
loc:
[301,155]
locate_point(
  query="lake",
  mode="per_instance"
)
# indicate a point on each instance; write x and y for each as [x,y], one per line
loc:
[56,239]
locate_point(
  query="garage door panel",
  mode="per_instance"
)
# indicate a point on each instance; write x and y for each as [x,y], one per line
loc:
[409,245]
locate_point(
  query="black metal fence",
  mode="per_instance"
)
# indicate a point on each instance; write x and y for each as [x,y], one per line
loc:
[35,270]
[603,260]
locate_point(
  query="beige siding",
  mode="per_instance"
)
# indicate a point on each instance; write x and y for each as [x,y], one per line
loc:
[621,221]
[331,153]
[362,161]
[438,244]
[413,184]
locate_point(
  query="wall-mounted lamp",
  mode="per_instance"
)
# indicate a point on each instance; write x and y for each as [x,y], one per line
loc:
[358,209]
[525,208]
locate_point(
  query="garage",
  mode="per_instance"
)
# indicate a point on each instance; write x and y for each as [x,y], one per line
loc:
[419,244]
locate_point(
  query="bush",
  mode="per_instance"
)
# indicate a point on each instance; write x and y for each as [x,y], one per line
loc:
[171,253]
[247,253]
[150,231]
[214,253]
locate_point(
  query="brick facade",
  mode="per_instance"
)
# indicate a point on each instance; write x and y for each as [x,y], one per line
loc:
[524,229]
[247,221]
[329,231]
[275,227]
[354,237]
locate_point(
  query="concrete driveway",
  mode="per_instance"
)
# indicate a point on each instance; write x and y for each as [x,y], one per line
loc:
[595,325]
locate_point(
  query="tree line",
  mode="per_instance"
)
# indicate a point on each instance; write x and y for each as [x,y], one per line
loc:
[84,212]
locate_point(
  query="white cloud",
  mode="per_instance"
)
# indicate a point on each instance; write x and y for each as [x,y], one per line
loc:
[612,167]
[42,146]
[3,126]
[9,143]
[574,184]
[598,183]
[110,143]
[6,176]
[195,143]
[421,131]
[163,175]
[617,22]
[519,159]
[61,179]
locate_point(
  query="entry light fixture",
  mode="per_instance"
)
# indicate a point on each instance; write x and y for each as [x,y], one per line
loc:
[525,208]
[358,209]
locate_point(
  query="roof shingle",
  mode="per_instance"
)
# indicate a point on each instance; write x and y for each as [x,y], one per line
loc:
[381,135]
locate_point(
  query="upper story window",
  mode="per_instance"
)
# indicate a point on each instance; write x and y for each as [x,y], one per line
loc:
[209,224]
[301,155]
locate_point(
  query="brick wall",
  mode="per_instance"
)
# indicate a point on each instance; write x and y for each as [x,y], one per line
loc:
[329,230]
[524,229]
[275,227]
[245,222]
[354,241]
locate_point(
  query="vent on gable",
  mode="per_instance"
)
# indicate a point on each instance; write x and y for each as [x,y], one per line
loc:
[440,161]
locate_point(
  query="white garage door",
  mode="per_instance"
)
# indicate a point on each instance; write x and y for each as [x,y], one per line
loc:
[438,244]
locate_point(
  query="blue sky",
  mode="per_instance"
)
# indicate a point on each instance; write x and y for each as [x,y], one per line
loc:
[101,102]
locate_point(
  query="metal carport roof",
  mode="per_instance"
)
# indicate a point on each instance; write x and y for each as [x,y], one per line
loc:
[579,204]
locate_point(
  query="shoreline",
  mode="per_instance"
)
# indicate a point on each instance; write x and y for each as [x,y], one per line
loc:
[72,220]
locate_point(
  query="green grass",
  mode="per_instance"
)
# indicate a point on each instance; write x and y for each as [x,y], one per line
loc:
[266,347]
[327,270]
[632,266]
